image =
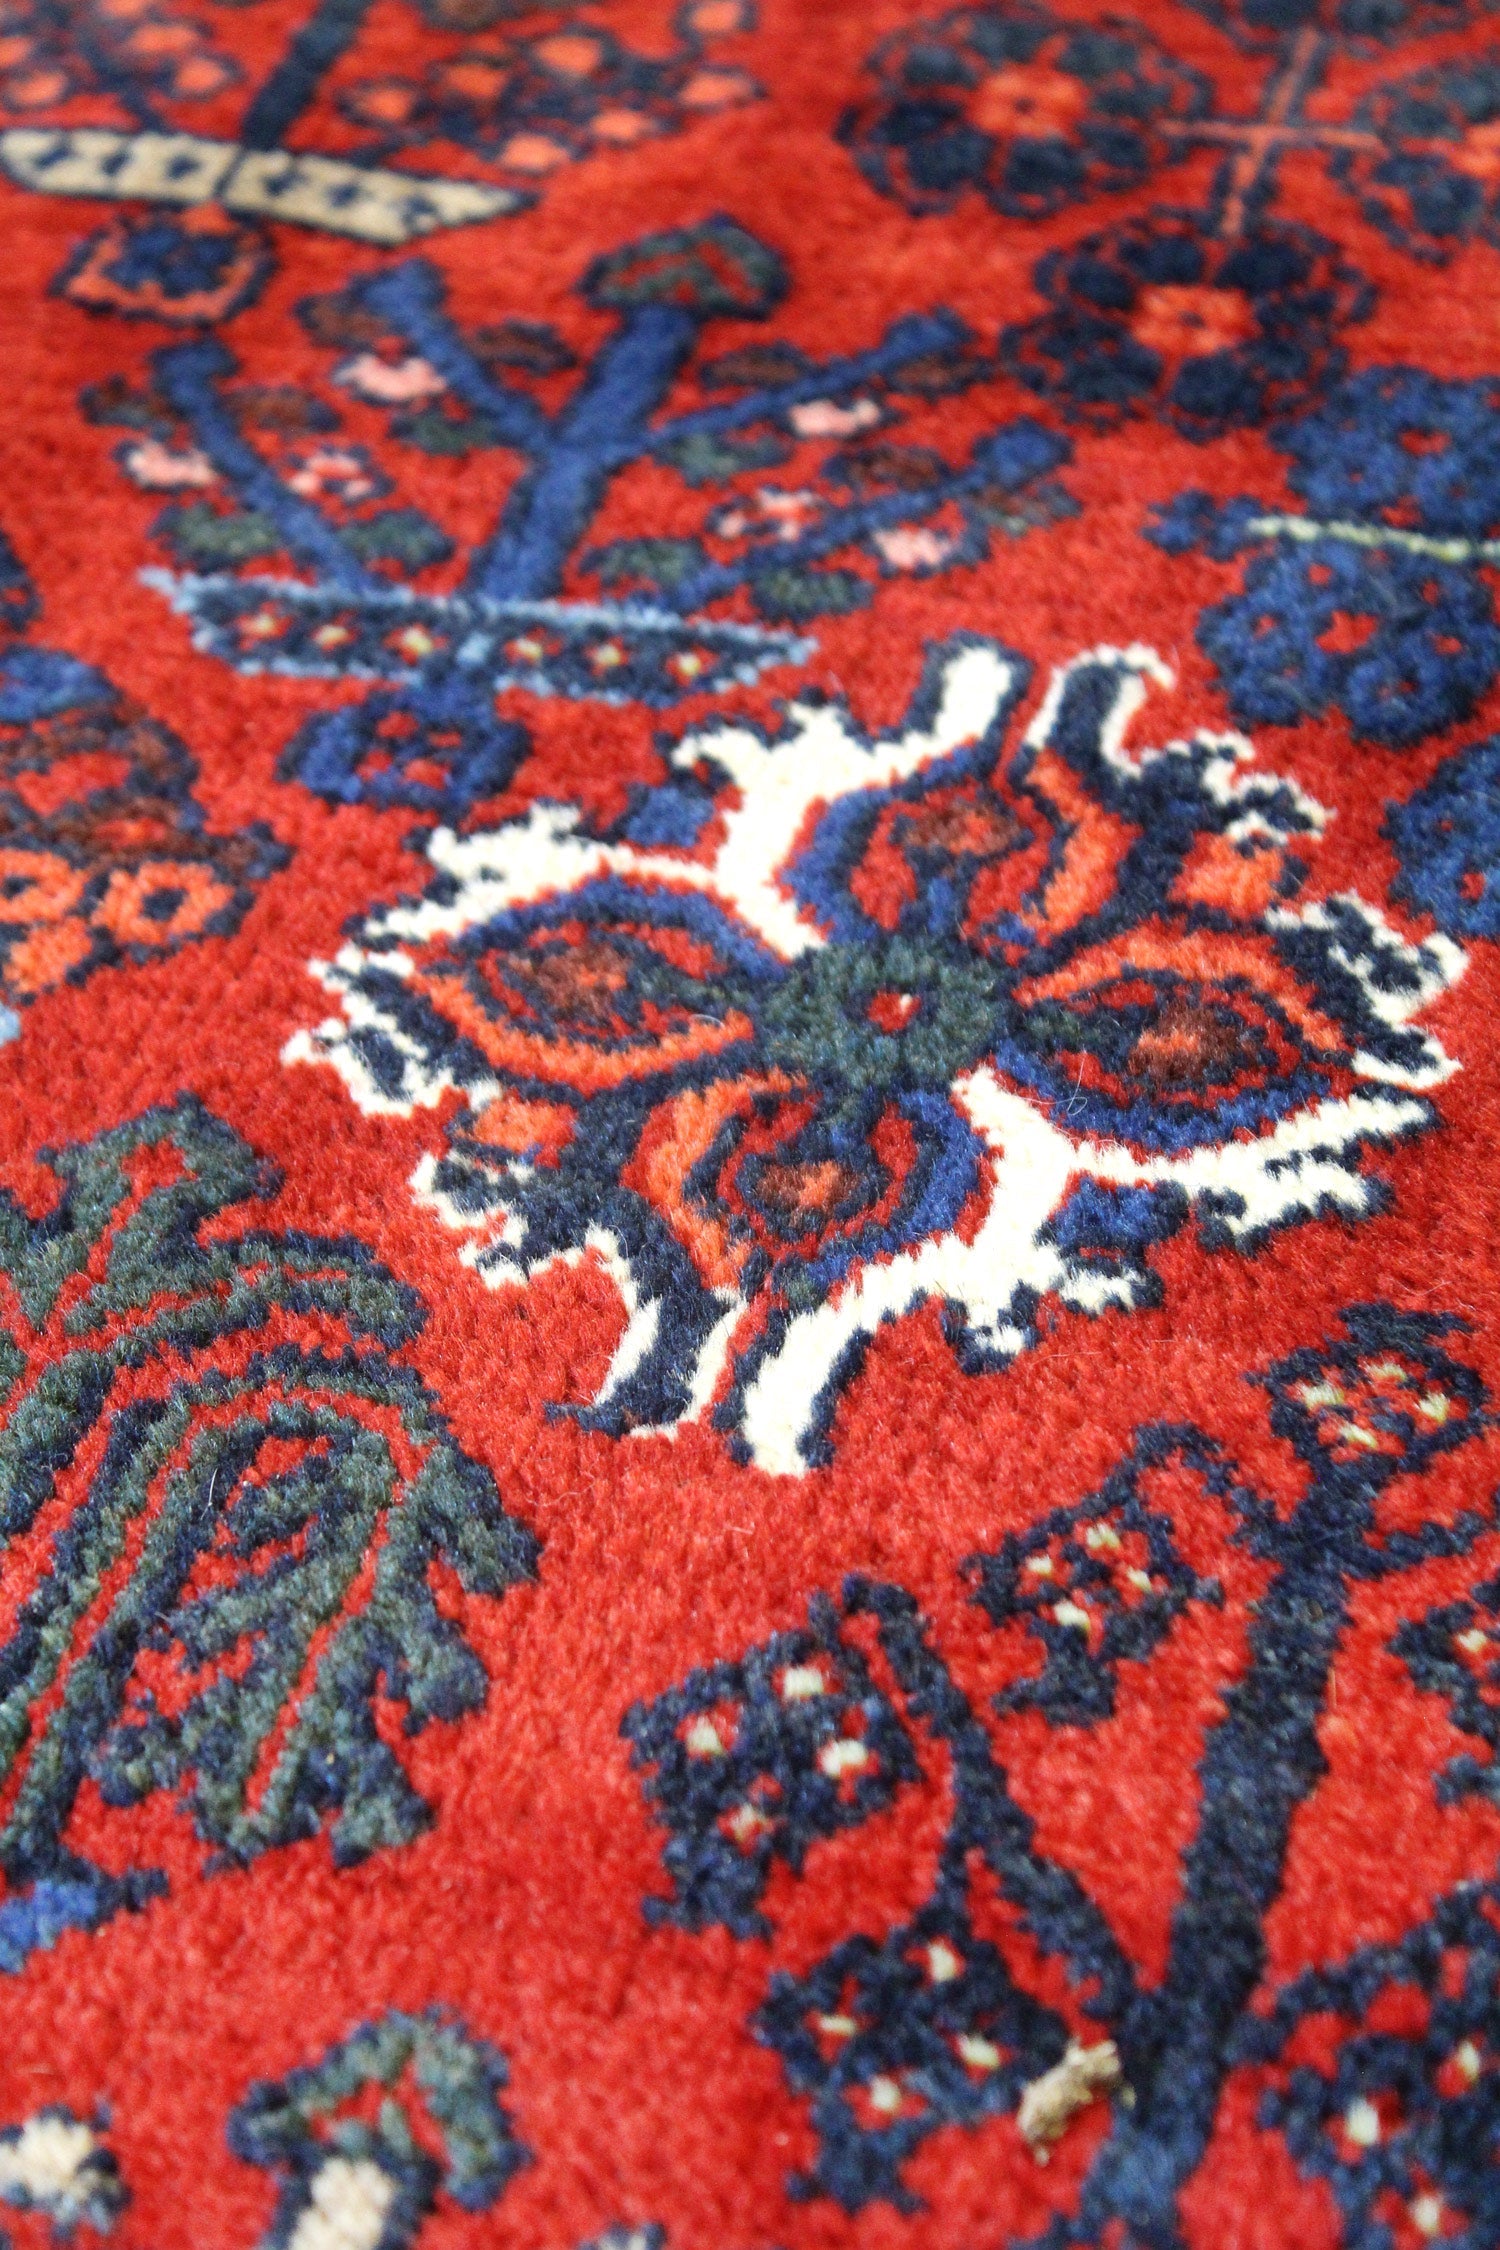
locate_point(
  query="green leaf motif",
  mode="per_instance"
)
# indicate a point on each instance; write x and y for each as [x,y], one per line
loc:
[430,2072]
[704,458]
[399,535]
[207,538]
[283,1511]
[792,595]
[659,563]
[435,429]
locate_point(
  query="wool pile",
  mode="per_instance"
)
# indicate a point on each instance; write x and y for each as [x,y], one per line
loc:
[749,1125]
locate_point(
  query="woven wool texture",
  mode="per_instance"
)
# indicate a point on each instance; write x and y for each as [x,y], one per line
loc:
[749,1125]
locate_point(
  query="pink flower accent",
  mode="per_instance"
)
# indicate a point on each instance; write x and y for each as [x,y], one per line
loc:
[824,418]
[402,382]
[784,512]
[914,547]
[158,468]
[330,470]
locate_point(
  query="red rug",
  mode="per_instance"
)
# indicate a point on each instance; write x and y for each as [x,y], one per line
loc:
[750,1127]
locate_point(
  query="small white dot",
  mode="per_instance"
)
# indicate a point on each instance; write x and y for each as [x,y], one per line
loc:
[1362,2123]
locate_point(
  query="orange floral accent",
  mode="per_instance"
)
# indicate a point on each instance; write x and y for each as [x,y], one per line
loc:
[123,910]
[1238,878]
[1028,101]
[536,1129]
[1097,842]
[1477,155]
[37,887]
[570,1062]
[1190,323]
[678,1137]
[45,956]
[1207,957]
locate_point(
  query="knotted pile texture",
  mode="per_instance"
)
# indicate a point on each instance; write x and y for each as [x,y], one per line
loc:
[749,1125]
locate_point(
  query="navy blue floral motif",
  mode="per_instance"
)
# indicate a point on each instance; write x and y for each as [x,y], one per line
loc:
[891,2039]
[1158,315]
[1034,113]
[1433,181]
[1454,1651]
[1448,839]
[136,55]
[561,89]
[1403,2122]
[1027,110]
[750,1762]
[934,2023]
[1273,22]
[1372,596]
[190,271]
[1383,1401]
[527,105]
[437,748]
[1397,446]
[1097,1585]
